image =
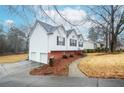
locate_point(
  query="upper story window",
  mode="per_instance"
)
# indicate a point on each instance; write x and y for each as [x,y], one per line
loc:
[80,44]
[73,42]
[60,40]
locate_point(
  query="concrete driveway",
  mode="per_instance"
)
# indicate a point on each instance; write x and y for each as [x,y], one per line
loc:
[17,75]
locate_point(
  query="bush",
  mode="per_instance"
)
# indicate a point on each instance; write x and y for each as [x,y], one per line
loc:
[90,50]
[106,49]
[118,51]
[65,56]
[71,55]
[51,61]
[101,49]
[98,50]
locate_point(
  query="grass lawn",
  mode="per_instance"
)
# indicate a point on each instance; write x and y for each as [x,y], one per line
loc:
[12,58]
[103,65]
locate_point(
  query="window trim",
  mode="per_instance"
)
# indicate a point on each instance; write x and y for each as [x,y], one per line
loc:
[80,44]
[73,42]
[61,42]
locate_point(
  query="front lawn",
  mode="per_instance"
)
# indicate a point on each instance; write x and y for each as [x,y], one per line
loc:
[13,58]
[103,65]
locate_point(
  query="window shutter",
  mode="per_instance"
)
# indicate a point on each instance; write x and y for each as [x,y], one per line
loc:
[63,41]
[57,40]
[75,42]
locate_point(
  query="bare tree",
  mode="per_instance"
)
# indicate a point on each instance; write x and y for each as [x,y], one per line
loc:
[16,40]
[94,34]
[111,19]
[2,40]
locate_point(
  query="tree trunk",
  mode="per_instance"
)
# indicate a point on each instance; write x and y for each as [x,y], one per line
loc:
[113,43]
[112,46]
[106,41]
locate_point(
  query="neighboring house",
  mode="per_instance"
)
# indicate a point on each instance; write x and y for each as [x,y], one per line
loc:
[89,45]
[100,44]
[93,45]
[47,41]
[120,45]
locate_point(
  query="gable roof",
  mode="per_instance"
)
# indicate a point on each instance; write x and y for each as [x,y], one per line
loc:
[49,28]
[80,35]
[68,32]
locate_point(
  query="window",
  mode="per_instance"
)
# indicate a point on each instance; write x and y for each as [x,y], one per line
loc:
[73,42]
[60,40]
[80,44]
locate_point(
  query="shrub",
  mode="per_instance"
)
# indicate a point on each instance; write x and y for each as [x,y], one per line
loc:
[90,50]
[118,51]
[65,56]
[51,61]
[106,49]
[98,50]
[122,50]
[71,55]
[85,51]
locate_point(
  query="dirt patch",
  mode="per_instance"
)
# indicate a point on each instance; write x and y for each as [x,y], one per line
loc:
[60,67]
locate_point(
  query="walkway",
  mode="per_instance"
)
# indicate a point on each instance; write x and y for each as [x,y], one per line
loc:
[74,71]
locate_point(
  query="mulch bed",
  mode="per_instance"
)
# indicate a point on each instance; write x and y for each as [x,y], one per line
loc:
[59,68]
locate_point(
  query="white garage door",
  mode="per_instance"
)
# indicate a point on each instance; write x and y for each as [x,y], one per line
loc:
[44,58]
[33,56]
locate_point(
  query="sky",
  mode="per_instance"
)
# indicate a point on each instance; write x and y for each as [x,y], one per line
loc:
[75,14]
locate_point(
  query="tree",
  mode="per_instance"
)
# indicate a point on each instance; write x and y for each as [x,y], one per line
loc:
[16,40]
[93,34]
[2,40]
[111,19]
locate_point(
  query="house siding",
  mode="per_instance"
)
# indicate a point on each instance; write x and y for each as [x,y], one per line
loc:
[53,40]
[72,36]
[38,43]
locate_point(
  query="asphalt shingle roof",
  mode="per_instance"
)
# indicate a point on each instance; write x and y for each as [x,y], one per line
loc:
[68,32]
[49,28]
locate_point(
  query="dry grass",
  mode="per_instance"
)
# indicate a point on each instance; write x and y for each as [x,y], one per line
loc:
[103,65]
[12,58]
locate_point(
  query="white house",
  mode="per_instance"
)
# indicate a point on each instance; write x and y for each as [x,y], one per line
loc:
[88,45]
[80,42]
[72,40]
[46,39]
